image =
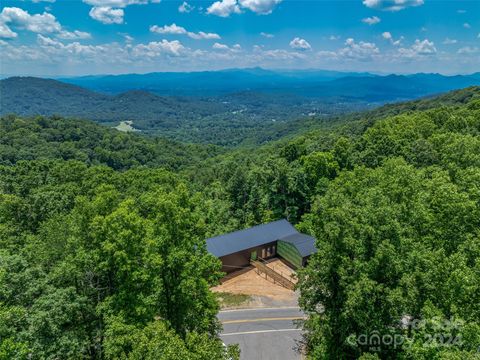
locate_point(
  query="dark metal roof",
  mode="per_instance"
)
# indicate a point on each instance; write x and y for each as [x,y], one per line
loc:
[245,239]
[305,244]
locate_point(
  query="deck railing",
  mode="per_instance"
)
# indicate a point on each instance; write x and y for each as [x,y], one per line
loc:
[277,278]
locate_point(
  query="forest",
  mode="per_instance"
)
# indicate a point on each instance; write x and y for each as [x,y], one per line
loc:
[236,107]
[238,118]
[102,234]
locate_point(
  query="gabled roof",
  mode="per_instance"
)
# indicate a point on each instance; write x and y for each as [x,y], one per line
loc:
[245,239]
[305,244]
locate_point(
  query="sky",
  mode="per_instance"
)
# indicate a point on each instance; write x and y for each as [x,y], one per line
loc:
[75,37]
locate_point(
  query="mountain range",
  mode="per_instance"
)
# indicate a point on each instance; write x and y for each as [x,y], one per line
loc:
[308,83]
[220,107]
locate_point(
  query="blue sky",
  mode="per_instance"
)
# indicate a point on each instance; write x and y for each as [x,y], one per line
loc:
[70,37]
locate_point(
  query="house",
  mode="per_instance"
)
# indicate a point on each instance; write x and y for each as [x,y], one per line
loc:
[278,238]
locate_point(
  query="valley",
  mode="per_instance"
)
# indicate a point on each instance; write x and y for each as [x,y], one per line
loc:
[239,180]
[227,108]
[89,215]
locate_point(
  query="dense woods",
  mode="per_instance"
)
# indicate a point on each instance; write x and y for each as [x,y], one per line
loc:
[54,138]
[102,234]
[241,117]
[101,264]
[227,108]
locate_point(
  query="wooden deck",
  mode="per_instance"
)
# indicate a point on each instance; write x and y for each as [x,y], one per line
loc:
[269,273]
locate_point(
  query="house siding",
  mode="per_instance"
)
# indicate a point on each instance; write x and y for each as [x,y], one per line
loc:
[290,253]
[241,259]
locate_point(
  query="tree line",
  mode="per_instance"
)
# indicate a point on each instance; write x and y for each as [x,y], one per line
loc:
[106,259]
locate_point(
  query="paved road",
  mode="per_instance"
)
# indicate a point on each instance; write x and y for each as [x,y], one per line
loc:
[263,333]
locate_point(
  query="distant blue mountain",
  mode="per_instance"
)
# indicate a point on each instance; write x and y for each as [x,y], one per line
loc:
[306,83]
[207,83]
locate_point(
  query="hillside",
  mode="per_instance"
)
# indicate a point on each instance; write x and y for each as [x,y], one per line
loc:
[392,198]
[246,107]
[42,138]
[350,128]
[227,120]
[392,88]
[92,218]
[36,96]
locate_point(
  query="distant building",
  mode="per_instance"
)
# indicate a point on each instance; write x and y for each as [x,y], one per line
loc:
[278,238]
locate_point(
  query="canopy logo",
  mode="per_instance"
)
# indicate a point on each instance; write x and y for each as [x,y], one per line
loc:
[434,332]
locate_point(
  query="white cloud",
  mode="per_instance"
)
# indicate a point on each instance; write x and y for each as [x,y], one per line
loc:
[424,47]
[23,53]
[157,48]
[224,8]
[218,46]
[325,54]
[419,49]
[391,5]
[180,30]
[388,36]
[110,53]
[107,15]
[47,41]
[203,35]
[38,23]
[73,35]
[449,41]
[168,29]
[461,11]
[53,47]
[467,26]
[359,51]
[353,51]
[185,7]
[111,11]
[111,57]
[300,44]
[260,54]
[50,52]
[267,35]
[222,47]
[6,32]
[398,42]
[128,39]
[468,50]
[261,7]
[371,20]
[117,3]
[334,37]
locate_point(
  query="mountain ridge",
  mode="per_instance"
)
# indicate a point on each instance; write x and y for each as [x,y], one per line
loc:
[215,83]
[227,118]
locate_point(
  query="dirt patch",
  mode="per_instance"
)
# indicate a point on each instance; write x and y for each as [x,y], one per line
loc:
[126,126]
[263,292]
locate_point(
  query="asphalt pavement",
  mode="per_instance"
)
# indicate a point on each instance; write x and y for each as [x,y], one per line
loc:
[263,333]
